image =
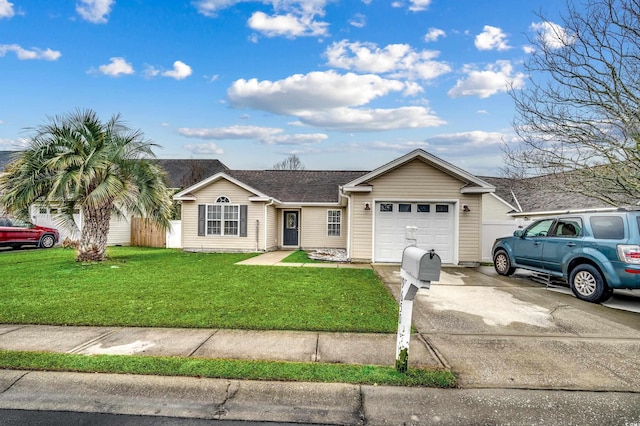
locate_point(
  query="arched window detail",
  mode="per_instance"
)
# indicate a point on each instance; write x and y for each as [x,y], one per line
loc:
[223,199]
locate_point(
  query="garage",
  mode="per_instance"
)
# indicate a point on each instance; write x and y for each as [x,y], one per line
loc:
[435,222]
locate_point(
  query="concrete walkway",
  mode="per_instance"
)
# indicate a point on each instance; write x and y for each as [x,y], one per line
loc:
[274,258]
[343,348]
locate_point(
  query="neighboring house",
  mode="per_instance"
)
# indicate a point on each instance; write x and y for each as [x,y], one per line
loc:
[517,202]
[366,213]
[181,173]
[534,197]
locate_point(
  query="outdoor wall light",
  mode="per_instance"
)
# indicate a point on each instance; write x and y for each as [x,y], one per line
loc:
[465,208]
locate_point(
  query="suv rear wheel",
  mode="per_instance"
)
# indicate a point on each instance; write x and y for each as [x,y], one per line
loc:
[587,284]
[502,264]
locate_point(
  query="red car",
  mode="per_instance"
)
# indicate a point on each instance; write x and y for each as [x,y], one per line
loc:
[17,233]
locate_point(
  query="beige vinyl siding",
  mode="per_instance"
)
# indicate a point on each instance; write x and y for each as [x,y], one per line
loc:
[417,180]
[236,195]
[361,227]
[494,209]
[272,228]
[313,229]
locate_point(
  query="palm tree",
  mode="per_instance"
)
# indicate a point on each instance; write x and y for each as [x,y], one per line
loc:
[78,162]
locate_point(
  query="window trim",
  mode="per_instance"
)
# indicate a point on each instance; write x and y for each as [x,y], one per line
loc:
[334,223]
[223,219]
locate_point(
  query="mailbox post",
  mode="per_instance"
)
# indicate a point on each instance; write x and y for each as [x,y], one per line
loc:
[419,268]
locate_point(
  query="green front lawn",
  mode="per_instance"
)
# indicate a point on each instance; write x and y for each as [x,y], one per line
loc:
[170,288]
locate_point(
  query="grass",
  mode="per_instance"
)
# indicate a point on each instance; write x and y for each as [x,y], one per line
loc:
[226,369]
[170,288]
[300,256]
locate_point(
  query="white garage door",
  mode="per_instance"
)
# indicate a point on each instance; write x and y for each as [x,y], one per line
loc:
[435,223]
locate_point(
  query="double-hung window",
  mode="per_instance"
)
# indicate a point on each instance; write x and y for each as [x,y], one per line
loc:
[333,222]
[223,218]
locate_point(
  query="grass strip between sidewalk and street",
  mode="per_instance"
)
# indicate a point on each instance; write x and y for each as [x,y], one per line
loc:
[226,369]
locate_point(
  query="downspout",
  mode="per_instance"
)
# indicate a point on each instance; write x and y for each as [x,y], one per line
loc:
[349,214]
[266,225]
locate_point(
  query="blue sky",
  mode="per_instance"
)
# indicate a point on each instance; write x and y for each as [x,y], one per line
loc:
[345,85]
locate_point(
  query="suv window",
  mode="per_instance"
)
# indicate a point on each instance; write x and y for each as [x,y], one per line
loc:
[568,227]
[539,229]
[607,227]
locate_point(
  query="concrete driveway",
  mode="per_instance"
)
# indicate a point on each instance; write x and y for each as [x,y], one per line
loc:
[499,332]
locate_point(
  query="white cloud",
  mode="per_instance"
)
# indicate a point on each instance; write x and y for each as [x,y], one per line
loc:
[475,138]
[231,132]
[399,60]
[368,120]
[419,5]
[34,53]
[494,79]
[13,144]
[287,25]
[6,9]
[180,71]
[551,35]
[327,100]
[291,18]
[95,11]
[358,20]
[492,38]
[117,67]
[204,148]
[528,49]
[434,34]
[264,135]
[295,139]
[310,92]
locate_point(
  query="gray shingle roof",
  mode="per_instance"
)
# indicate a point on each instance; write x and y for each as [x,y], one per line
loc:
[184,173]
[7,157]
[319,186]
[535,195]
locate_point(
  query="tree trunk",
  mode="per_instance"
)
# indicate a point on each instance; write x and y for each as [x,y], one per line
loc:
[95,228]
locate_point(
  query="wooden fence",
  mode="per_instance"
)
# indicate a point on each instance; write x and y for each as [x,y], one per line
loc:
[145,234]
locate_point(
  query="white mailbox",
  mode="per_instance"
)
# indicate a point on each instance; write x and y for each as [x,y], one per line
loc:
[419,267]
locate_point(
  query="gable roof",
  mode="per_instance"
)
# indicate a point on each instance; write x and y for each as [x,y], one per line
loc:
[529,195]
[473,183]
[184,173]
[284,186]
[320,186]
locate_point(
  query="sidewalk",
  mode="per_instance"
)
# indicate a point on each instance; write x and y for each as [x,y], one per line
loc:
[274,258]
[295,346]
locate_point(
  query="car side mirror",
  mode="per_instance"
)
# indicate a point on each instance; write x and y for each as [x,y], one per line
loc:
[518,233]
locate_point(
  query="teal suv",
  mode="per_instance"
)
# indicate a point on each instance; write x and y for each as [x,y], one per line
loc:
[594,252]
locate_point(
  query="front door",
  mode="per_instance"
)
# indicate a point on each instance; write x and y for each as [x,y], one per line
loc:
[291,228]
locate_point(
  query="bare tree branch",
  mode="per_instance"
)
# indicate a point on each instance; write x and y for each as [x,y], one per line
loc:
[578,119]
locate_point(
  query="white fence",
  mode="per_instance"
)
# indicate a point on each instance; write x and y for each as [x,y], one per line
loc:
[174,233]
[492,229]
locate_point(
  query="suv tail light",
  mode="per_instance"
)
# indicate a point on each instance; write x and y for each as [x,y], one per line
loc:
[629,253]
